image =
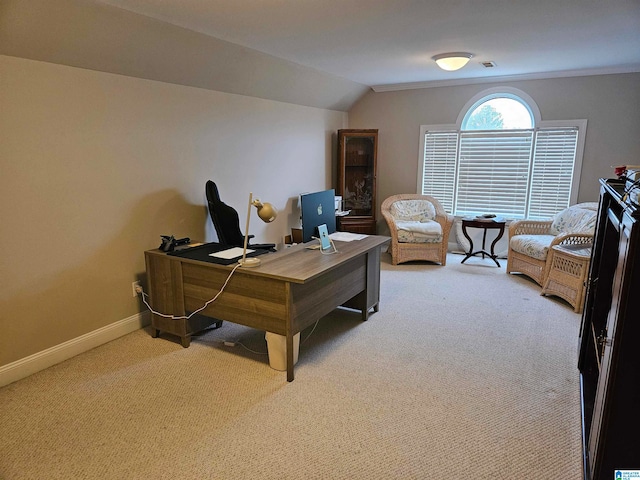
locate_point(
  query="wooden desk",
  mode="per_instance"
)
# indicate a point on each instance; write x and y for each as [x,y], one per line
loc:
[290,290]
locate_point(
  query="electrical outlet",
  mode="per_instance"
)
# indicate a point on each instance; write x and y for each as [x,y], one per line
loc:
[137,288]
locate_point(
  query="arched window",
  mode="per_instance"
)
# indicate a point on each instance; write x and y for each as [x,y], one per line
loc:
[501,158]
[498,112]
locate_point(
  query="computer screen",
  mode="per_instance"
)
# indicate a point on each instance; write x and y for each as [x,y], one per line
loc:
[317,208]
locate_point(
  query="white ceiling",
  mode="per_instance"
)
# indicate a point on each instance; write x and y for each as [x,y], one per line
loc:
[388,44]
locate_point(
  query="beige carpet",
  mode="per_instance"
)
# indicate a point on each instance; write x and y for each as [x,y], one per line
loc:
[465,372]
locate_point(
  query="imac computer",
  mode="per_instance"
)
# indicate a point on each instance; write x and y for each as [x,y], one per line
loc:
[316,209]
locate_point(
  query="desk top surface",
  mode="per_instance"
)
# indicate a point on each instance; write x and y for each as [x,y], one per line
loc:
[297,263]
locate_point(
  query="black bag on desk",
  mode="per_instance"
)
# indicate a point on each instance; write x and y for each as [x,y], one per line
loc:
[203,253]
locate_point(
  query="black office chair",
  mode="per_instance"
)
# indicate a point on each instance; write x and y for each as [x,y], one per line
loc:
[226,221]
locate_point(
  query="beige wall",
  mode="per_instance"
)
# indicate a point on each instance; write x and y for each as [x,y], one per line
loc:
[609,103]
[96,166]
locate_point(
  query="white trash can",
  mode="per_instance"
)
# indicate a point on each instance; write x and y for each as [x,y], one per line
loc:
[277,347]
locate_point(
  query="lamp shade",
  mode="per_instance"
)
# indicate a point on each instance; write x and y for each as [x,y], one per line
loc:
[452,61]
[267,213]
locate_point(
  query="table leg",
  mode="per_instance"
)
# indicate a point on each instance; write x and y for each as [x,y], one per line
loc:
[484,241]
[493,255]
[493,244]
[470,252]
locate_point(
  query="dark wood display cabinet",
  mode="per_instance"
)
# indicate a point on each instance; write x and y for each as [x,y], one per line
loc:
[609,353]
[357,157]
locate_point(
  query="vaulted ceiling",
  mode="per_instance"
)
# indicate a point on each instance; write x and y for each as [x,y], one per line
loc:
[325,53]
[388,43]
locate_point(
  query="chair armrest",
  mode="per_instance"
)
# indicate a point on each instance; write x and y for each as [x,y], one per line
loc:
[529,227]
[572,239]
[391,223]
[445,220]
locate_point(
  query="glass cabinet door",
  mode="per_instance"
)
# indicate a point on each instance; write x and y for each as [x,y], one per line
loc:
[357,179]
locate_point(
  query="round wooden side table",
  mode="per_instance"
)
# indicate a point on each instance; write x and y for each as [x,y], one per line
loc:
[485,224]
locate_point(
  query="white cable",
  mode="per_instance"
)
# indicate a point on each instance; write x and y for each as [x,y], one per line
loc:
[252,351]
[310,333]
[187,317]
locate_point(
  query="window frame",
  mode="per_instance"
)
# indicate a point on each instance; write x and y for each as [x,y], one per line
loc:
[538,125]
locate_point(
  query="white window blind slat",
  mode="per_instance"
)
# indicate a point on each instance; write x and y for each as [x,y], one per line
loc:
[493,172]
[439,167]
[552,171]
[513,173]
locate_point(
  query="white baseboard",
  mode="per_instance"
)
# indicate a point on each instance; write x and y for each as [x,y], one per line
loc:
[39,361]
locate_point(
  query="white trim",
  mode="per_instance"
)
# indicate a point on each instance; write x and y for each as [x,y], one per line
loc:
[51,356]
[526,100]
[394,87]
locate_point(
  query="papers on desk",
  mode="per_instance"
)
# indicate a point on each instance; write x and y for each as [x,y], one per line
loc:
[346,236]
[230,253]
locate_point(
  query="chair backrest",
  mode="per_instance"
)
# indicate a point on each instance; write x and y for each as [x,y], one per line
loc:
[225,218]
[579,218]
[413,210]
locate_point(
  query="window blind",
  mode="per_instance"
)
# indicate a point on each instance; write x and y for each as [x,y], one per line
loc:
[493,172]
[512,173]
[552,172]
[439,167]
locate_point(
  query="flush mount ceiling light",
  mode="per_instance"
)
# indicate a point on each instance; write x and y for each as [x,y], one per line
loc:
[452,61]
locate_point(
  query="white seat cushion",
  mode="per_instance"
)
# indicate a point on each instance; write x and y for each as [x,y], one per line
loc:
[535,246]
[428,231]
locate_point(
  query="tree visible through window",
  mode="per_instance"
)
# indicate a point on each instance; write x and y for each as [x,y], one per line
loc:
[485,117]
[499,161]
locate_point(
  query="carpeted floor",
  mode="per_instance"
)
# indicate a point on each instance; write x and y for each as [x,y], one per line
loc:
[465,372]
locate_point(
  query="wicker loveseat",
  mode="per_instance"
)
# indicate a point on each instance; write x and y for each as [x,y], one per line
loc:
[419,228]
[530,241]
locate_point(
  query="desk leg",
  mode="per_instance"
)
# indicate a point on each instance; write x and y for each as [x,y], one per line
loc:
[289,357]
[368,311]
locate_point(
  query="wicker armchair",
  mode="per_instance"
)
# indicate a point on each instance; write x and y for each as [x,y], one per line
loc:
[419,228]
[530,241]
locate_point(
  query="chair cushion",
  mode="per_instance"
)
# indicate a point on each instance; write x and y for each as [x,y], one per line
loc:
[413,210]
[536,246]
[428,231]
[580,218]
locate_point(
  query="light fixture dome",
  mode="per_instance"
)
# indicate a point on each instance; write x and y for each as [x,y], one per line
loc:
[452,61]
